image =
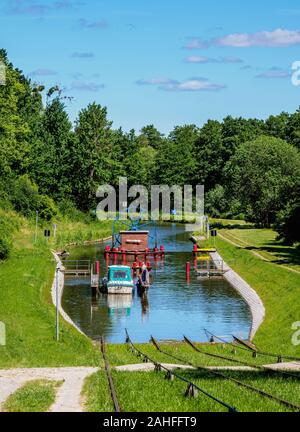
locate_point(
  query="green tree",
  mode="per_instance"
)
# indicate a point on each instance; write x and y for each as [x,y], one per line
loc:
[51,157]
[287,223]
[293,129]
[92,154]
[152,136]
[277,125]
[176,162]
[209,155]
[20,105]
[263,175]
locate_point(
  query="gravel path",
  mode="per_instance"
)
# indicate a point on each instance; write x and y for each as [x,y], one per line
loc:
[68,395]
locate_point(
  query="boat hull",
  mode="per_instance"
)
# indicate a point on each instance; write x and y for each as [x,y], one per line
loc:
[119,289]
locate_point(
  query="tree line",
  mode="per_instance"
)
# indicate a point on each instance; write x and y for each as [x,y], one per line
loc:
[250,167]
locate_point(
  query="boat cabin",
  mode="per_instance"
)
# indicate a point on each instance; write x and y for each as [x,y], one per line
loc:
[134,240]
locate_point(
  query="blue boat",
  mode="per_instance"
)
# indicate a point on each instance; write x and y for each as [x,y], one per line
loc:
[118,280]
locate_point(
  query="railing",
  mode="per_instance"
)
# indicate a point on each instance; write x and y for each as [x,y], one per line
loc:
[77,267]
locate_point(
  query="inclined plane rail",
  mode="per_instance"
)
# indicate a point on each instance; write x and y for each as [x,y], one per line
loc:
[110,378]
[234,380]
[241,362]
[254,351]
[191,386]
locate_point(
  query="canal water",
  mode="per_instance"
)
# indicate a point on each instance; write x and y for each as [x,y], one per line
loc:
[171,308]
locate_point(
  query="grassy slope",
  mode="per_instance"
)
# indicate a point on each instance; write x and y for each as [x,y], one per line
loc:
[27,311]
[151,392]
[35,396]
[279,291]
[264,242]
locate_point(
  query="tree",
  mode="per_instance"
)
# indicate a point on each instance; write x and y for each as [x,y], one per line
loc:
[51,157]
[92,154]
[176,163]
[277,125]
[235,131]
[263,175]
[152,136]
[20,107]
[209,155]
[287,223]
[293,129]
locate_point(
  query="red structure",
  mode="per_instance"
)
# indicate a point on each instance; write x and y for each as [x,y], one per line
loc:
[134,247]
[134,240]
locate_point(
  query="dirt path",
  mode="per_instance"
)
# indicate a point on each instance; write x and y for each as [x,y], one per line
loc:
[68,395]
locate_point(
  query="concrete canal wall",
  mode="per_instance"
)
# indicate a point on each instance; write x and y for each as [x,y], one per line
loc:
[60,281]
[249,294]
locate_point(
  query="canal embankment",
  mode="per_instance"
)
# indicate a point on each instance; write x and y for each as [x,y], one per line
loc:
[253,300]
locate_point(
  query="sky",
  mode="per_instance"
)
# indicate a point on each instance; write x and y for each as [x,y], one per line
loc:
[161,62]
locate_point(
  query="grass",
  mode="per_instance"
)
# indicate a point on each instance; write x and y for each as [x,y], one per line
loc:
[279,291]
[96,394]
[26,308]
[151,392]
[34,396]
[264,242]
[29,315]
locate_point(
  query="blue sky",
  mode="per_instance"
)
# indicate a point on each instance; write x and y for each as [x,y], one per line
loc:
[164,62]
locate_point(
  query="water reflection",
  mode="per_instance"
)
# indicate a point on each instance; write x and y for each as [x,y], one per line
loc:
[170,308]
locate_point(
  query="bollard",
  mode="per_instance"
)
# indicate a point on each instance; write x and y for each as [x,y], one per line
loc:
[188,268]
[115,255]
[123,257]
[188,271]
[195,250]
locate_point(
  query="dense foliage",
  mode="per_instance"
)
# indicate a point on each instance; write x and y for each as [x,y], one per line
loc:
[250,167]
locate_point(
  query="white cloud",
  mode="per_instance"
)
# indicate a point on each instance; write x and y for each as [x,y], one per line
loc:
[43,72]
[272,39]
[274,73]
[83,55]
[191,84]
[156,81]
[203,59]
[84,86]
[276,38]
[92,25]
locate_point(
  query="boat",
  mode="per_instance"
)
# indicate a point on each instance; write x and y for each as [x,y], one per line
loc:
[118,280]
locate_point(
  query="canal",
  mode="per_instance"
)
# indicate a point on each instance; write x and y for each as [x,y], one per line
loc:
[171,308]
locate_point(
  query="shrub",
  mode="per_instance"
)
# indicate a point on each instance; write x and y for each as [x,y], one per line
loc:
[4,249]
[46,207]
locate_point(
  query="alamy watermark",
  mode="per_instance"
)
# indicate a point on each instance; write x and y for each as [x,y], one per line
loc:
[162,202]
[2,73]
[296,335]
[2,334]
[296,73]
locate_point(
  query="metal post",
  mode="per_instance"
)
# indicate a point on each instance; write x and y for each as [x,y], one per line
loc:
[57,308]
[36,226]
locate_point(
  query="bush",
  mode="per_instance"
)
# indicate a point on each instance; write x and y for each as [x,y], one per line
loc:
[24,195]
[46,207]
[4,249]
[67,209]
[287,223]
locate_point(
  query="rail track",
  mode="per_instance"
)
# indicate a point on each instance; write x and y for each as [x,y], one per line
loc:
[242,362]
[255,351]
[226,377]
[192,388]
[112,388]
